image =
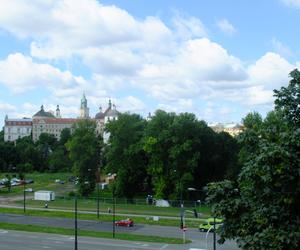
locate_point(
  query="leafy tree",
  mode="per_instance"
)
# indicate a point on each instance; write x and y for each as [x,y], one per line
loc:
[288,99]
[64,136]
[125,155]
[184,152]
[59,160]
[262,208]
[84,151]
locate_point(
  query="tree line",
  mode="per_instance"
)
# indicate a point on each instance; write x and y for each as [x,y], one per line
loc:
[162,156]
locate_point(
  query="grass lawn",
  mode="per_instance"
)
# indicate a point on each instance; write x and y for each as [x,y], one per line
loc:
[46,181]
[66,231]
[85,216]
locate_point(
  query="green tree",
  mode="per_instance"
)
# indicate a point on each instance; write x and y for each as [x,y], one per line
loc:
[184,152]
[262,208]
[84,151]
[288,99]
[125,155]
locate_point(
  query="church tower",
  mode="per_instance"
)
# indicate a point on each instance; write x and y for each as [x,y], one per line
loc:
[84,110]
[57,113]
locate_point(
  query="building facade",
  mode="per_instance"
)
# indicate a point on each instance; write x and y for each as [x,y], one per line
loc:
[233,129]
[46,122]
[15,129]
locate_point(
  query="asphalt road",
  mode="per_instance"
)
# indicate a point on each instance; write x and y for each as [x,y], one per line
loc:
[199,239]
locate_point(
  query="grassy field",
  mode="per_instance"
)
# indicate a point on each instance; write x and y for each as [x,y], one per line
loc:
[85,216]
[65,231]
[42,181]
[46,181]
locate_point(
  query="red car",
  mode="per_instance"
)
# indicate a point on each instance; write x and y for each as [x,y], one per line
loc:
[124,223]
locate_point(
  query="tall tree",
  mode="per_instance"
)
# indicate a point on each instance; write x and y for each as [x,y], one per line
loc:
[262,208]
[84,151]
[125,155]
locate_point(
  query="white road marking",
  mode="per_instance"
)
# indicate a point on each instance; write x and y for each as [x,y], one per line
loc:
[164,246]
[3,231]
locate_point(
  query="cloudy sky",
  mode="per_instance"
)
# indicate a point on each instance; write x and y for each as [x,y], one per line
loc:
[217,59]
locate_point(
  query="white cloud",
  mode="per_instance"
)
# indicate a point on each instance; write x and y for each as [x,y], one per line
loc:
[20,74]
[199,66]
[188,27]
[292,3]
[131,104]
[6,107]
[177,65]
[271,71]
[226,27]
[281,49]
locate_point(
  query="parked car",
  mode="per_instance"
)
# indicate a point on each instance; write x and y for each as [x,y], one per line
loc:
[28,190]
[29,181]
[13,183]
[209,224]
[125,223]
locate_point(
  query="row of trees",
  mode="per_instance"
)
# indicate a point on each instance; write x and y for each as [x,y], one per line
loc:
[24,155]
[167,154]
[261,209]
[163,156]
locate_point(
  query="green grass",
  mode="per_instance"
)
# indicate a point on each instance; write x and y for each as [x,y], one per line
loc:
[83,216]
[42,181]
[46,181]
[90,205]
[98,234]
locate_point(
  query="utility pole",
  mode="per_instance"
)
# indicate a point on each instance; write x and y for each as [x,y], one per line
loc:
[214,233]
[98,200]
[114,207]
[76,245]
[24,196]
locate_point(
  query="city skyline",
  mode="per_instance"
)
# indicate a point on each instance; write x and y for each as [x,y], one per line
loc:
[219,60]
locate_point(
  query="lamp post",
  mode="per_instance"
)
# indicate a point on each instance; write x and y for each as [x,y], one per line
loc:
[114,207]
[24,195]
[214,235]
[76,244]
[98,182]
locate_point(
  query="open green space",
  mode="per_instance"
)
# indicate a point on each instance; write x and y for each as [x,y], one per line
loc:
[86,216]
[66,231]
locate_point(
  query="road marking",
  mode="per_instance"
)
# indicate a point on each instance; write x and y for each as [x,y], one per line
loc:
[164,246]
[46,247]
[3,231]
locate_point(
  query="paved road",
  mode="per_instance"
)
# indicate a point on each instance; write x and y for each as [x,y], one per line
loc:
[35,241]
[199,239]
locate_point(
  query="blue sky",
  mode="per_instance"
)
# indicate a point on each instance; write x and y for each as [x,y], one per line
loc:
[217,59]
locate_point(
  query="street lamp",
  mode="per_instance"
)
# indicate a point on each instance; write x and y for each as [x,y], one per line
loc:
[98,182]
[76,244]
[203,191]
[114,207]
[24,195]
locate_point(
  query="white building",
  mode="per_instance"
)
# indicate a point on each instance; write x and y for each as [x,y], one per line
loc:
[46,122]
[110,114]
[17,128]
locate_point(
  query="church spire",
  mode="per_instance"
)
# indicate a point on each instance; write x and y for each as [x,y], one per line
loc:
[84,110]
[57,113]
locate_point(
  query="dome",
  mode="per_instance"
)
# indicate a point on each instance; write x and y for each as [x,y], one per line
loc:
[43,113]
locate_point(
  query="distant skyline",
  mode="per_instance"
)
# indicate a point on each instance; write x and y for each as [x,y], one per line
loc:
[217,59]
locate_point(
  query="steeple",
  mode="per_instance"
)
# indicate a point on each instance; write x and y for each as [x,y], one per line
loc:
[83,101]
[109,104]
[84,110]
[57,113]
